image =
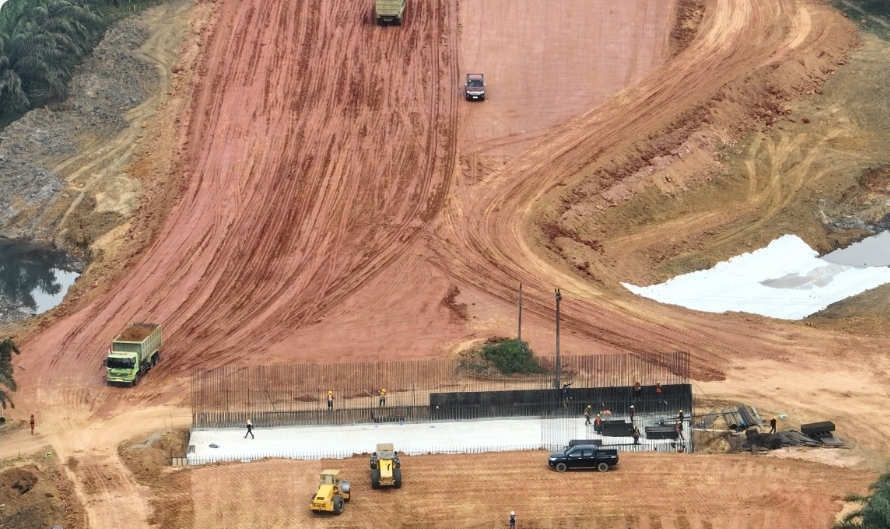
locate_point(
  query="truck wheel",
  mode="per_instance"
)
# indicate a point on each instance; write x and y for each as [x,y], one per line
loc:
[397,478]
[155,359]
[561,467]
[338,504]
[135,380]
[375,479]
[603,467]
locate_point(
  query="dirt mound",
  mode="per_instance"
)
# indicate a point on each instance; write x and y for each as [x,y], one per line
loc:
[149,461]
[135,333]
[36,495]
[150,457]
[19,479]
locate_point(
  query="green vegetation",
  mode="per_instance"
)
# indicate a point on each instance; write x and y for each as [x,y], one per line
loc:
[503,355]
[876,13]
[7,381]
[875,511]
[40,43]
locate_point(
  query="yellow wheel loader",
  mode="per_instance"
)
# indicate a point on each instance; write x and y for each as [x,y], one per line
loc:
[332,493]
[386,468]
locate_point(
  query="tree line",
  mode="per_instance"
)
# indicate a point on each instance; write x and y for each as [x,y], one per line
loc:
[42,40]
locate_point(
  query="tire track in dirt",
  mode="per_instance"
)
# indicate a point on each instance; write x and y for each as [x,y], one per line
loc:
[308,173]
[646,490]
[488,228]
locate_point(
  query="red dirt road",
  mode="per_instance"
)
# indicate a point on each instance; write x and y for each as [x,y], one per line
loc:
[547,62]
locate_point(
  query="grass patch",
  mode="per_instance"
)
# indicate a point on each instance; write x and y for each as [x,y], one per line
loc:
[502,356]
[876,13]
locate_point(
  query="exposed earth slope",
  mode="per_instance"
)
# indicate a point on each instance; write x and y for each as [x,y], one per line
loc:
[335,189]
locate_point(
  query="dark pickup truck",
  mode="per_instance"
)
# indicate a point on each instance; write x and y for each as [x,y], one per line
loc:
[474,89]
[583,456]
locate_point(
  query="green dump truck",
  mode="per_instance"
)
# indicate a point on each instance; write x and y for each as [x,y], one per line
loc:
[389,12]
[133,353]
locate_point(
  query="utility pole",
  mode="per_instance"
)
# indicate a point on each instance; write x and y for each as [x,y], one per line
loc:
[558,362]
[519,331]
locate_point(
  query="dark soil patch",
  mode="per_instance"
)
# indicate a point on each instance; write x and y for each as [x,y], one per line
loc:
[689,16]
[37,494]
[457,310]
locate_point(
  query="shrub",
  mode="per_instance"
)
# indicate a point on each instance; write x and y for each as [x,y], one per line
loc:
[503,355]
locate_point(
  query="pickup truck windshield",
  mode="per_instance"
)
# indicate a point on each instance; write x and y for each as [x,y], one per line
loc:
[120,363]
[474,82]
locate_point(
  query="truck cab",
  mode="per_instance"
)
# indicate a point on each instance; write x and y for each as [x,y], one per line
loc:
[133,353]
[389,12]
[583,456]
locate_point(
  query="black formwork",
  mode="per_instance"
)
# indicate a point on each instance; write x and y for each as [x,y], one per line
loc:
[617,400]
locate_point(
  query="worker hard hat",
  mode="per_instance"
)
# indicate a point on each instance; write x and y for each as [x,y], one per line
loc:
[774,417]
[631,405]
[588,406]
[681,411]
[512,513]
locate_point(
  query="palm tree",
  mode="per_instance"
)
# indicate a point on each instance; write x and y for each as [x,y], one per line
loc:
[7,347]
[875,511]
[13,99]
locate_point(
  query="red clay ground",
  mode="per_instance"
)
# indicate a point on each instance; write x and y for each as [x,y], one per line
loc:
[331,195]
[545,63]
[479,491]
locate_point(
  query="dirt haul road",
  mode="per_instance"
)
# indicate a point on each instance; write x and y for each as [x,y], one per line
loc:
[322,188]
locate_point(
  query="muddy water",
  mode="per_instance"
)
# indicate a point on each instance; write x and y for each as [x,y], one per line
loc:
[873,251]
[33,278]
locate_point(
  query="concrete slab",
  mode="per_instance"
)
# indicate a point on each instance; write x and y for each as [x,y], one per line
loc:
[336,442]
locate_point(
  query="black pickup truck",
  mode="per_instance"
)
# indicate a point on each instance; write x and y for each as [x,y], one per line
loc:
[583,456]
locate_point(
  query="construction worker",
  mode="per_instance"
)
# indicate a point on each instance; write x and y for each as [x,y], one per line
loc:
[680,430]
[631,413]
[658,389]
[32,424]
[772,425]
[249,430]
[512,520]
[598,424]
[636,435]
[638,390]
[680,415]
[587,416]
[330,399]
[382,402]
[565,391]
